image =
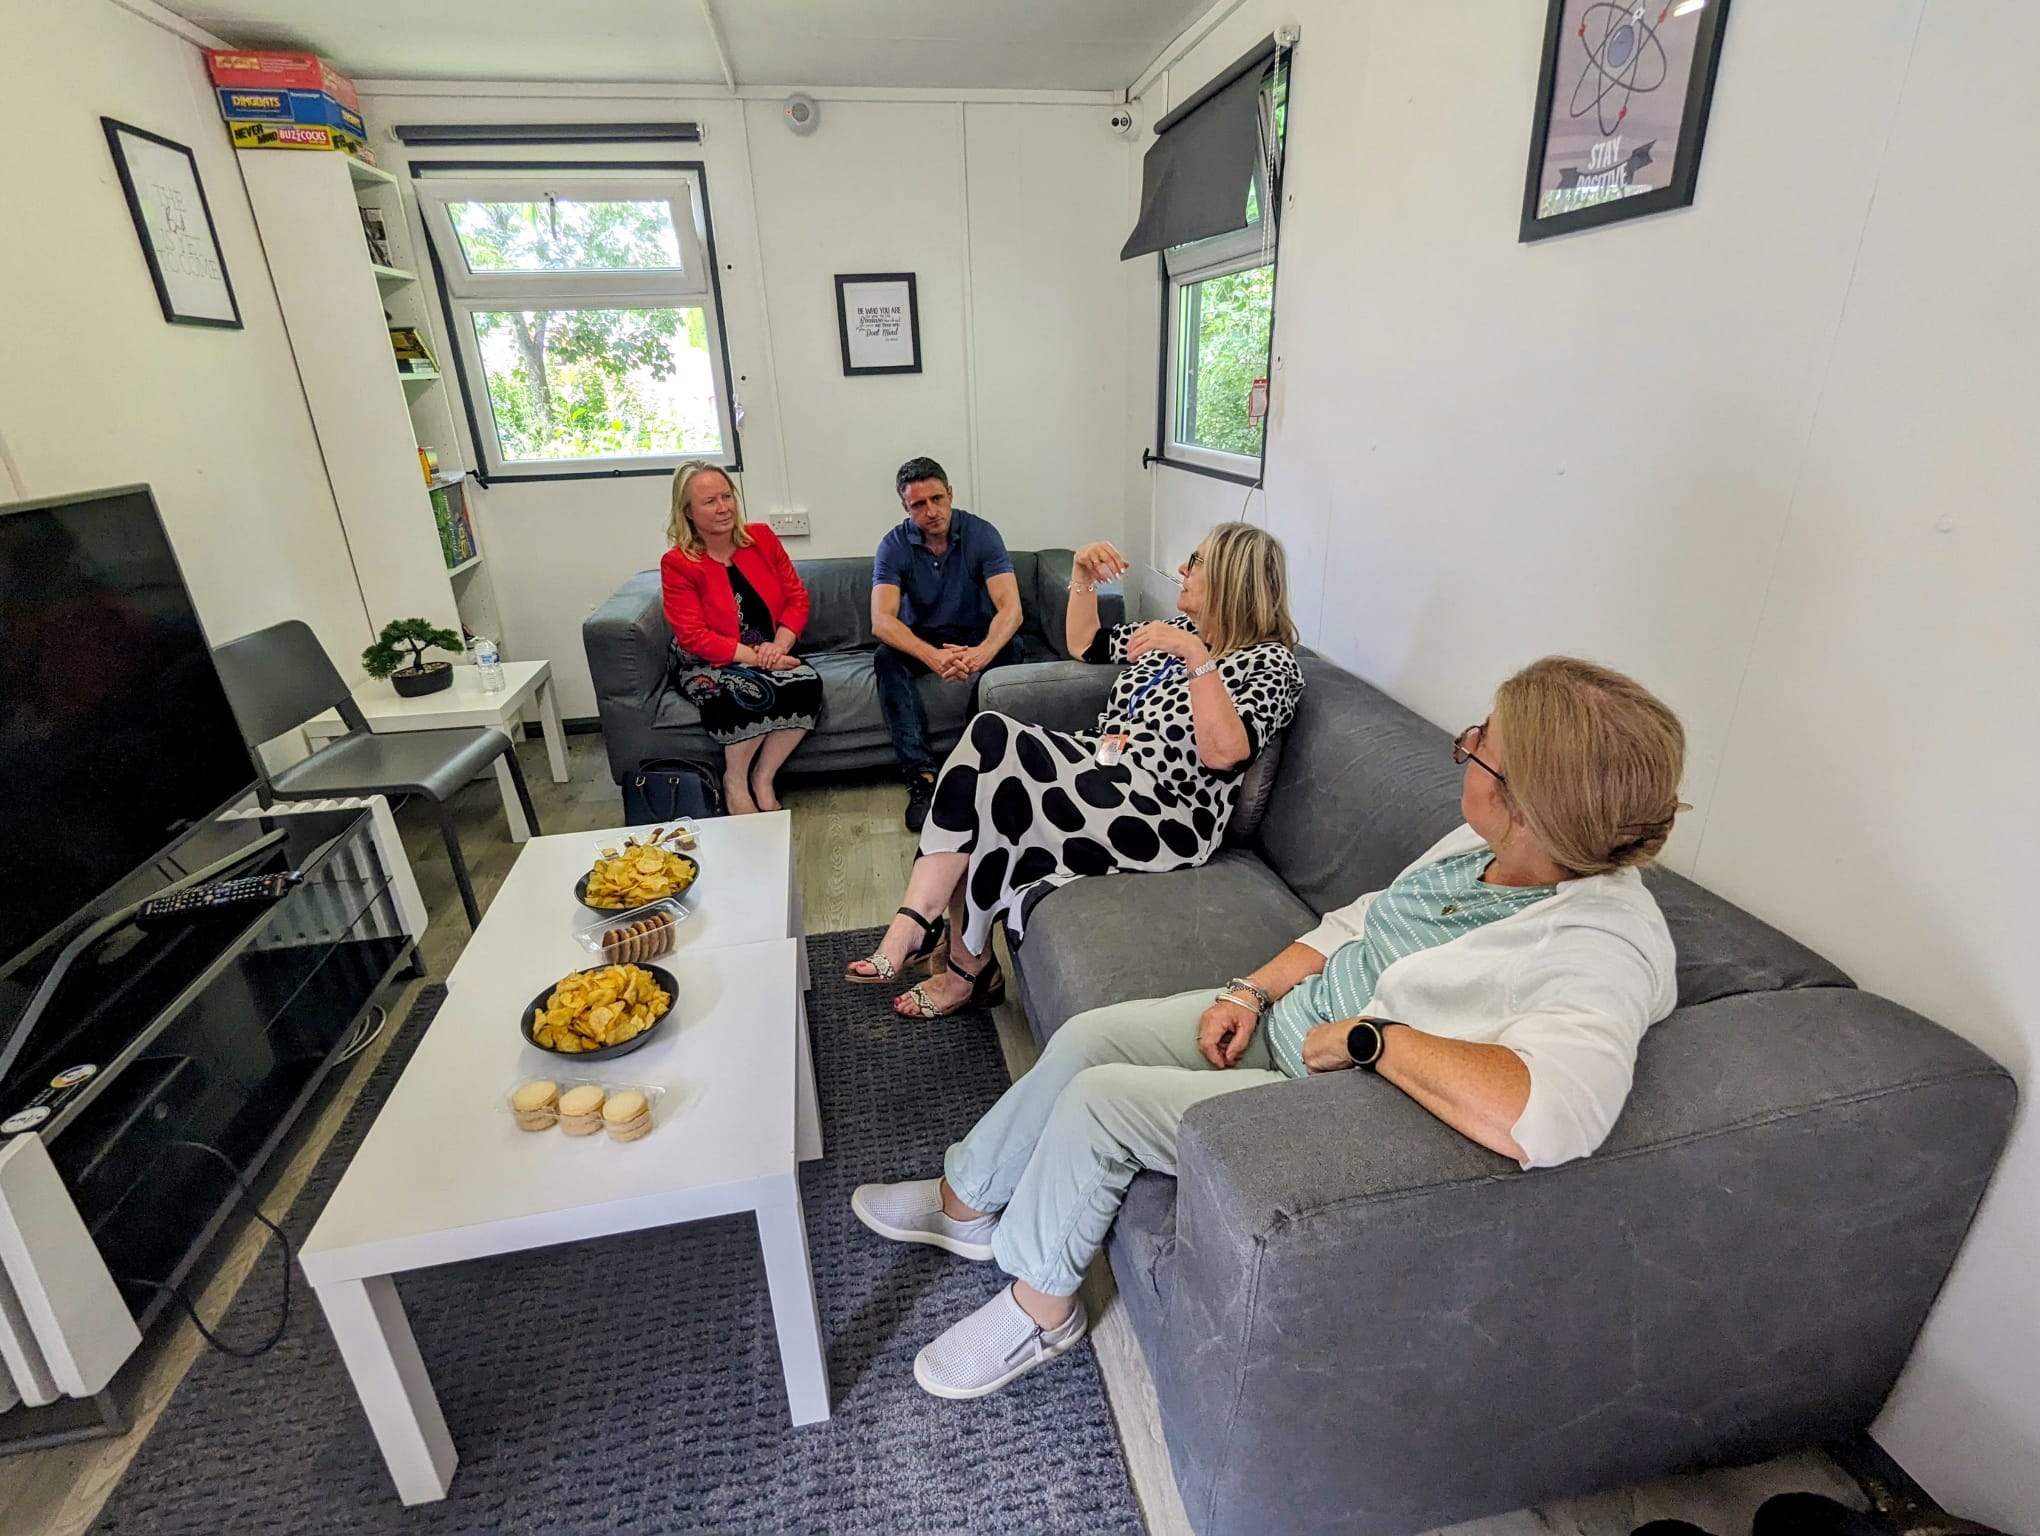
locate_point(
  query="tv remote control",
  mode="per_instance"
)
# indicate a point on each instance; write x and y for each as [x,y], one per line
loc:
[203,900]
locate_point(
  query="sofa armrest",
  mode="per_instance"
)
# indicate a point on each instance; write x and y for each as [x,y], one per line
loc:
[628,641]
[1472,1338]
[1062,695]
[1051,597]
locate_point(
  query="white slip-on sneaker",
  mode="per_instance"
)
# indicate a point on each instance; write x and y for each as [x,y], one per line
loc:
[989,1348]
[912,1213]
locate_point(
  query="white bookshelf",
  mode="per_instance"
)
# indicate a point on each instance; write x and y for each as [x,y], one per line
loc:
[338,307]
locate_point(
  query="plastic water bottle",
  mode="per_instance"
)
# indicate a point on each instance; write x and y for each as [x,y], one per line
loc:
[488,666]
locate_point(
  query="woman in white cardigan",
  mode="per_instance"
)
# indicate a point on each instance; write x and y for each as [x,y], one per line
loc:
[1503,982]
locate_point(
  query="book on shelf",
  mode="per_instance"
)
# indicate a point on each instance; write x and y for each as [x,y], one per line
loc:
[456,532]
[412,354]
[378,236]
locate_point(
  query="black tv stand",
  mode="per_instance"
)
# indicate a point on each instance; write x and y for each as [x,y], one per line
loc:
[219,1032]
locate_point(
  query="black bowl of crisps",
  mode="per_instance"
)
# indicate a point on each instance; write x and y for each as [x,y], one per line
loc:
[622,892]
[572,1009]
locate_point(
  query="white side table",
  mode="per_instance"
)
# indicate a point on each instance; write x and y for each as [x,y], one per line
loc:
[525,684]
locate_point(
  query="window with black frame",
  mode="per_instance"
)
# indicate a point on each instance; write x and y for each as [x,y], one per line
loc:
[1210,197]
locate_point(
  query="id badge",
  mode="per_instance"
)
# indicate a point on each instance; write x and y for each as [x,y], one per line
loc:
[1111,747]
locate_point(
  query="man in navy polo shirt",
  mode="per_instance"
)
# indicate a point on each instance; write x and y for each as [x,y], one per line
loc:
[943,600]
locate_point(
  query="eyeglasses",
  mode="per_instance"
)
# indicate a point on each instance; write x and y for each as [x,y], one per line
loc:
[1464,743]
[1196,559]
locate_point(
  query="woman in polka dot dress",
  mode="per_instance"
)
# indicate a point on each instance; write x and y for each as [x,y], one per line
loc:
[1019,805]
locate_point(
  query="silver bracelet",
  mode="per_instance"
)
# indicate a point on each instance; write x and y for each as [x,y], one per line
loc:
[1078,586]
[1244,984]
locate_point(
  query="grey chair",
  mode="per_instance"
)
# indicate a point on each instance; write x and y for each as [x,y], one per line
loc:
[280,677]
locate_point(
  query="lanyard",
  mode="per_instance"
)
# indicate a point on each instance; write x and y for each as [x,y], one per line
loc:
[1161,675]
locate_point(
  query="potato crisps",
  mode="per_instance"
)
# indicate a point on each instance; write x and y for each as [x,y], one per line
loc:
[637,875]
[592,1009]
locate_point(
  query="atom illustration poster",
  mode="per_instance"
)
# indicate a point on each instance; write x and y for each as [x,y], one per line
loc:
[1621,109]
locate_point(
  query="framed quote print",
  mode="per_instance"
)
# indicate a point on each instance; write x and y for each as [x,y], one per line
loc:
[1622,102]
[878,322]
[174,224]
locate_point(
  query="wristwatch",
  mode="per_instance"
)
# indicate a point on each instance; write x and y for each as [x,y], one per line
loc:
[1366,1040]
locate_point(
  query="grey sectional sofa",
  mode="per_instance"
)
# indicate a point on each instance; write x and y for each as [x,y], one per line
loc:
[1360,1322]
[630,654]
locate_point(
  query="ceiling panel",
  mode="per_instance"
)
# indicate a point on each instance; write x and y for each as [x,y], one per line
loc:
[1017,44]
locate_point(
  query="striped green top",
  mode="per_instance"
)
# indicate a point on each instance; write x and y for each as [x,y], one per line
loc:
[1426,907]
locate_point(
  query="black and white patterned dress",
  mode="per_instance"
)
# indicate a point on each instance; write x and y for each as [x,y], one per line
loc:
[1033,806]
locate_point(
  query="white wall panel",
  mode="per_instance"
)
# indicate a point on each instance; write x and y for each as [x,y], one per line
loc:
[96,389]
[1772,453]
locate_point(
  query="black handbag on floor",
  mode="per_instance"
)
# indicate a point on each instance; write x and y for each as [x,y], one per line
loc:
[669,790]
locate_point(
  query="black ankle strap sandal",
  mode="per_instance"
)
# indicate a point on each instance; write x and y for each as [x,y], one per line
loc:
[934,943]
[987,990]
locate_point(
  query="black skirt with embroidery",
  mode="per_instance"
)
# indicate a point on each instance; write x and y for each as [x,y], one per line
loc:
[739,702]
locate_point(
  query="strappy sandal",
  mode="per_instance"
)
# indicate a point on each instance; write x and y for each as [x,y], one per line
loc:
[934,938]
[987,990]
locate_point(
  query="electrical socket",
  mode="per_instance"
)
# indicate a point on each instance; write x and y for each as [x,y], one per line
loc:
[793,522]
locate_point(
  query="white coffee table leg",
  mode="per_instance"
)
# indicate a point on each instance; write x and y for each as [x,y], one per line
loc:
[374,1336]
[513,809]
[555,733]
[782,1233]
[807,1105]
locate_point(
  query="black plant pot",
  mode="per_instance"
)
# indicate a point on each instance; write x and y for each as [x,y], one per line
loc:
[430,678]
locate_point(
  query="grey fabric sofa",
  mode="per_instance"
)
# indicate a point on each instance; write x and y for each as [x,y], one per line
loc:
[631,654]
[1360,1322]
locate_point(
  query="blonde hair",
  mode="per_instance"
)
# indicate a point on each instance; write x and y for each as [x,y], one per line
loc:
[1246,590]
[680,530]
[1593,763]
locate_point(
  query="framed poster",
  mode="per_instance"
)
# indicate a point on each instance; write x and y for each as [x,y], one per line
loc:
[175,227]
[877,319]
[1621,111]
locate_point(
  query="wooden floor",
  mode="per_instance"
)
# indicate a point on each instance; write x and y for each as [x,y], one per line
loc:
[852,854]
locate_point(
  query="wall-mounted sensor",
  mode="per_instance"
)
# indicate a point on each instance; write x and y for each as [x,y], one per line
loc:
[1121,121]
[803,113]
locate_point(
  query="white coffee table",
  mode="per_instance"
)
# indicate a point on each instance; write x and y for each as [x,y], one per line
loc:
[527,685]
[445,1175]
[747,893]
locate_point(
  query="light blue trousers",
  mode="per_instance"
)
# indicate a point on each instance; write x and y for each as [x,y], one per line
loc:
[1055,1154]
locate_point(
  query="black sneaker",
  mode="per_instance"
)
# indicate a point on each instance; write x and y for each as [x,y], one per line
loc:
[920,792]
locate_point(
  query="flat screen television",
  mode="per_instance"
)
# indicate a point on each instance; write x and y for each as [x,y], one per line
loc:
[115,734]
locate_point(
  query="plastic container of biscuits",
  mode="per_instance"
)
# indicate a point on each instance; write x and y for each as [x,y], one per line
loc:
[642,934]
[598,1109]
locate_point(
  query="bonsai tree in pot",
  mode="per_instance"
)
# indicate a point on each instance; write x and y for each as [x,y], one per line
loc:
[411,675]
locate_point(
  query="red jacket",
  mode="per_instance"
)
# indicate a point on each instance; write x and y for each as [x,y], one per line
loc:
[703,610]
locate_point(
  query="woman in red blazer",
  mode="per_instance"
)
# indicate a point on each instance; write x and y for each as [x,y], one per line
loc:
[736,605]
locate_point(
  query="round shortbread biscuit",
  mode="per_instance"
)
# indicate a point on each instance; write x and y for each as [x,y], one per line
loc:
[584,1100]
[624,1107]
[536,1120]
[534,1096]
[640,1127]
[581,1125]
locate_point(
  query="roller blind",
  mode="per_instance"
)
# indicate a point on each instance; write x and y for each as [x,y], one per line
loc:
[1194,180]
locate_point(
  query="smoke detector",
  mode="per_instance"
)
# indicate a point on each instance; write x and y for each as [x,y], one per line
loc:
[802,112]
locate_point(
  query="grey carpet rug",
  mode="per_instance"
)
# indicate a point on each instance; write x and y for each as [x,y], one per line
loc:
[632,1384]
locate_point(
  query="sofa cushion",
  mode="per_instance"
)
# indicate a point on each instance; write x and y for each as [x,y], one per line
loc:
[1141,1245]
[1252,794]
[1363,787]
[1724,951]
[1031,616]
[850,709]
[839,604]
[1108,938]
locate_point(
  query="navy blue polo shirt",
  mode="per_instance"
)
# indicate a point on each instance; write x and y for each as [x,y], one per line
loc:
[945,593]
